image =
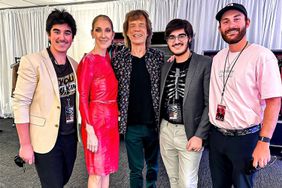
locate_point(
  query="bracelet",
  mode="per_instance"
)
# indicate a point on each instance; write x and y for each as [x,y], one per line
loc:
[264,139]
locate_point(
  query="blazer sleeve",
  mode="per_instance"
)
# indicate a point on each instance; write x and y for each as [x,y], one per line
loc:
[24,91]
[116,61]
[204,126]
[84,76]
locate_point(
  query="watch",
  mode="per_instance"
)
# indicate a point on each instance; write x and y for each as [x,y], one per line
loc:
[264,139]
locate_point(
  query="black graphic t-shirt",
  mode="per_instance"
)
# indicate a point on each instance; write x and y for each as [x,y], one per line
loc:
[67,90]
[172,102]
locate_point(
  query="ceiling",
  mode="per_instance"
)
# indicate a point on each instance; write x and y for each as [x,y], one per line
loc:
[5,4]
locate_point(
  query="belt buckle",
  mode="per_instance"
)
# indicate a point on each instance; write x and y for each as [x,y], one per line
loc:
[226,132]
[241,132]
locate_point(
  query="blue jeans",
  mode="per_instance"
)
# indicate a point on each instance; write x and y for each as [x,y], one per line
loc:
[142,142]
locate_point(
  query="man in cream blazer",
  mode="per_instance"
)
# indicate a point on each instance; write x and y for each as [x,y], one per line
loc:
[45,104]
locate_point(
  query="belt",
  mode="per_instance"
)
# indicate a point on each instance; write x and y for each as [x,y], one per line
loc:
[171,122]
[105,101]
[240,132]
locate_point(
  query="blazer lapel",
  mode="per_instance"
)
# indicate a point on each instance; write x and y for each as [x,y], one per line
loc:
[165,70]
[52,73]
[190,74]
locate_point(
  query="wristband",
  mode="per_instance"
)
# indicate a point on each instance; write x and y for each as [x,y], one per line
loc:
[264,139]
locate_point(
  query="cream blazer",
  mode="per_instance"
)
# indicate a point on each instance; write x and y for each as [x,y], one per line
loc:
[37,99]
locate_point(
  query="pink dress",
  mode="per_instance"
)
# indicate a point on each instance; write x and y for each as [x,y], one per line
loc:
[97,86]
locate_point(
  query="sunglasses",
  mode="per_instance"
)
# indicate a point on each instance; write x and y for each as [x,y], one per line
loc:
[19,162]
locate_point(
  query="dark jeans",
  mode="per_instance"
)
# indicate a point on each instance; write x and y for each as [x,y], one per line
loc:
[55,167]
[228,157]
[142,142]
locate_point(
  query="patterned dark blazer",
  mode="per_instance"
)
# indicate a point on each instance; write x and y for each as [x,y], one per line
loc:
[122,65]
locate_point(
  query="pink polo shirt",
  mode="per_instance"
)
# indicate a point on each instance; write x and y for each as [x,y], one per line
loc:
[254,78]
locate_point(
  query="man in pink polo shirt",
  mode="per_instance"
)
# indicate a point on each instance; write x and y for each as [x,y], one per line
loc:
[244,102]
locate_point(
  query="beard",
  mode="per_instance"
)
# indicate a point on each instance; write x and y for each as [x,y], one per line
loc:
[237,39]
[180,53]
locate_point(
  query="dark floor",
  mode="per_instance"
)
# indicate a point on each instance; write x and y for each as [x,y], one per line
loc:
[14,177]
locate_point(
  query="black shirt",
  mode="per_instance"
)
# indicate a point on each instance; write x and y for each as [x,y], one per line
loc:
[67,91]
[140,109]
[172,101]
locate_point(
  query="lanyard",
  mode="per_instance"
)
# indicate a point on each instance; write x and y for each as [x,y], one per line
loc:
[54,61]
[223,77]
[51,56]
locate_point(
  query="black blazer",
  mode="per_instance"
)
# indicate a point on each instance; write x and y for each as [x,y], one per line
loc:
[196,95]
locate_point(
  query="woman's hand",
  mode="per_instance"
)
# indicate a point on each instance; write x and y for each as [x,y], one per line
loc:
[92,141]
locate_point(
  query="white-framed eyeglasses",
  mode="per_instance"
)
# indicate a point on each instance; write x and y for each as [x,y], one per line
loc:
[172,38]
